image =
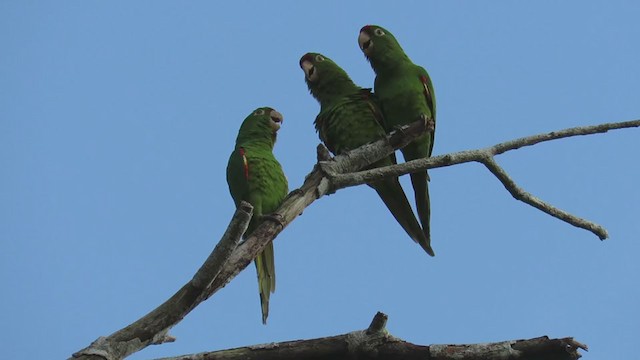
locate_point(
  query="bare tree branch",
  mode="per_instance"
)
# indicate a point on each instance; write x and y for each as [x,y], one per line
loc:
[314,187]
[554,135]
[379,344]
[341,179]
[153,328]
[326,177]
[526,197]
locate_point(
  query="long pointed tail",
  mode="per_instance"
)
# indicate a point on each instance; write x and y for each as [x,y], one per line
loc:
[423,205]
[265,266]
[391,193]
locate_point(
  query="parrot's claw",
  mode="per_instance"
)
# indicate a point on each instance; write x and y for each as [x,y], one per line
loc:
[323,153]
[275,217]
[429,123]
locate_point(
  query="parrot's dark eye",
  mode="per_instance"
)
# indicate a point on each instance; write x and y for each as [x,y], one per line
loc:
[259,112]
[319,58]
[378,32]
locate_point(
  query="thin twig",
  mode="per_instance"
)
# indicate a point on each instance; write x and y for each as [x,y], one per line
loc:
[526,197]
[554,135]
[341,180]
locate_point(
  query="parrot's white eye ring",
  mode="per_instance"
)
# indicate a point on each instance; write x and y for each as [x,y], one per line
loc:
[319,58]
[259,112]
[379,32]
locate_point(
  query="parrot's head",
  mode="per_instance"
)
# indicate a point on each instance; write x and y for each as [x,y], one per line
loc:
[262,124]
[323,76]
[379,46]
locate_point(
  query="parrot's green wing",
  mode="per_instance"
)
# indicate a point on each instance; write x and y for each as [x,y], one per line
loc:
[349,118]
[237,176]
[429,98]
[406,93]
[254,175]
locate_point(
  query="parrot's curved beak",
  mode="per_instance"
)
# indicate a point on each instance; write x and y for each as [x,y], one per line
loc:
[365,42]
[276,119]
[309,70]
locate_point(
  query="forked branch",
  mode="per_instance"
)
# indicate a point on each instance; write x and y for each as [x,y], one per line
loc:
[328,175]
[340,179]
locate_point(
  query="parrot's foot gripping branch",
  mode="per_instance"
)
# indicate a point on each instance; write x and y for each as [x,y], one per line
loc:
[429,123]
[323,153]
[275,217]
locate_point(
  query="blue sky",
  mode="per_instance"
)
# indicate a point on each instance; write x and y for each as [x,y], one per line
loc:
[117,119]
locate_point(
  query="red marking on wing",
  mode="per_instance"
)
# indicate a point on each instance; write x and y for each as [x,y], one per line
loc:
[245,164]
[426,92]
[424,81]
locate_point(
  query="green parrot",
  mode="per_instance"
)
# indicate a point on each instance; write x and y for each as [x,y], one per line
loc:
[406,93]
[349,118]
[254,175]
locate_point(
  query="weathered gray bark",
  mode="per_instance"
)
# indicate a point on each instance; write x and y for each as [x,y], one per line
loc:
[377,343]
[153,328]
[340,179]
[329,175]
